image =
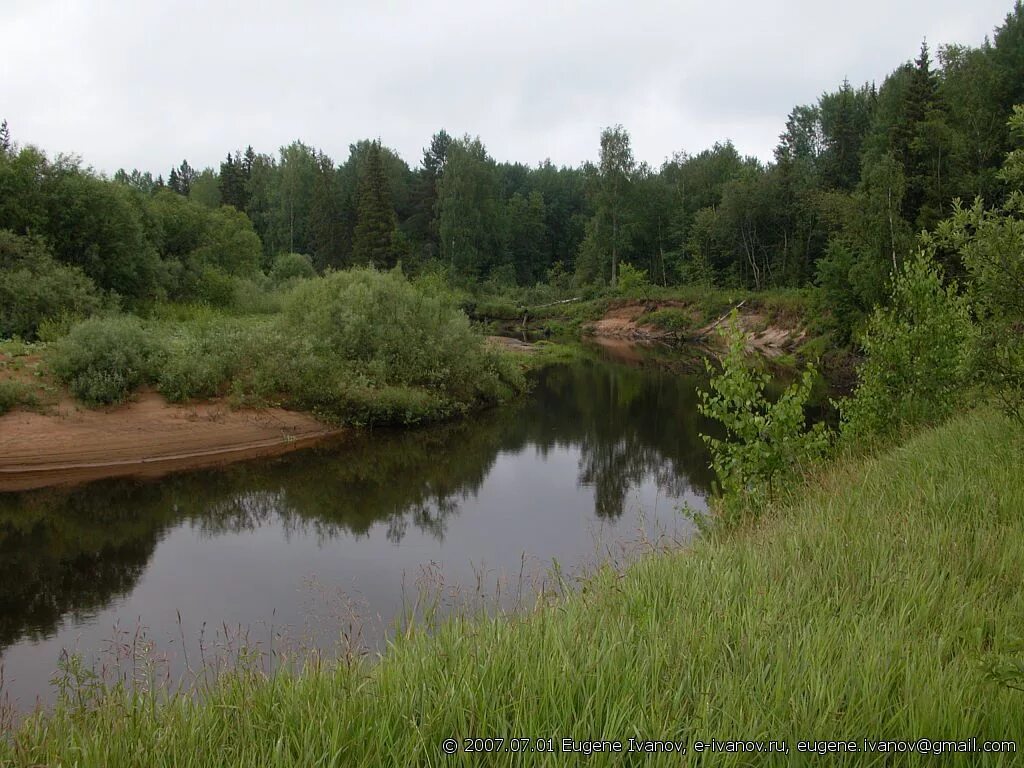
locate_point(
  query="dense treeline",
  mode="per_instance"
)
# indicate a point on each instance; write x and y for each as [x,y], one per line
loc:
[856,176]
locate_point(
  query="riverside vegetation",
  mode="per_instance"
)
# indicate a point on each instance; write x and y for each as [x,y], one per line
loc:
[858,582]
[358,347]
[862,583]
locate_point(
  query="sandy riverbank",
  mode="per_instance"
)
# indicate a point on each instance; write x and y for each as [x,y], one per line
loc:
[147,436]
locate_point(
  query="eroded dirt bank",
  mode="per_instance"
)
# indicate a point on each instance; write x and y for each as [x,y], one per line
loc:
[629,321]
[148,436]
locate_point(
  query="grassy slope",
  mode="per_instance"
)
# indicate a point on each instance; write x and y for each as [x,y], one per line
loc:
[860,611]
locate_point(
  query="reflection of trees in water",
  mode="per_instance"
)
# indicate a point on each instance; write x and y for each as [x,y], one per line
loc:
[629,424]
[71,550]
[62,554]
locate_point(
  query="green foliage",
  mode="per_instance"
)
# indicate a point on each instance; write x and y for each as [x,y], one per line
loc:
[915,354]
[289,267]
[103,360]
[766,443]
[255,296]
[332,352]
[35,289]
[672,319]
[862,609]
[375,222]
[15,393]
[100,227]
[496,308]
[358,347]
[214,286]
[851,285]
[205,189]
[203,358]
[471,218]
[633,281]
[990,244]
[355,343]
[229,243]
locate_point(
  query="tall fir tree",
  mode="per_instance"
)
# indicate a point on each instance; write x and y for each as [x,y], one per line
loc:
[326,217]
[375,222]
[5,138]
[181,178]
[1008,57]
[845,119]
[233,181]
[248,161]
[173,183]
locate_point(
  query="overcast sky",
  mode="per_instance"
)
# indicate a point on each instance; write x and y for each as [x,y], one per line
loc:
[145,84]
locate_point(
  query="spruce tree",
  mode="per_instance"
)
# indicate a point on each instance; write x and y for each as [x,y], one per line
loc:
[326,217]
[375,222]
[181,178]
[913,146]
[843,139]
[233,182]
[186,175]
[5,138]
[1007,54]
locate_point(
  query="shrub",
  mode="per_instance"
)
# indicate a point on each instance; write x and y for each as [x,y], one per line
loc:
[215,287]
[34,287]
[851,283]
[991,245]
[673,319]
[229,243]
[203,358]
[290,267]
[353,343]
[766,442]
[15,393]
[633,281]
[915,354]
[104,360]
[253,296]
[497,308]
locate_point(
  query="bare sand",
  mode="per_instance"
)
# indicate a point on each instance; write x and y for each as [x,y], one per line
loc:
[147,436]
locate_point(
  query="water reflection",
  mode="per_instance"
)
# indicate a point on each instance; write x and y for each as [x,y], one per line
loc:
[522,478]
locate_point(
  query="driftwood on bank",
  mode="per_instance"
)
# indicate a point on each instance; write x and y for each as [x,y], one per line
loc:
[719,321]
[527,310]
[556,303]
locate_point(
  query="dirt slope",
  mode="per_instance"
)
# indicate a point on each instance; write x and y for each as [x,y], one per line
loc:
[626,321]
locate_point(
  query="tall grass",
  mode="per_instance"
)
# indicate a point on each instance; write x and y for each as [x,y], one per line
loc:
[870,608]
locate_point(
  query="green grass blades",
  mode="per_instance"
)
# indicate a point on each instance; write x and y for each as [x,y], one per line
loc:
[875,607]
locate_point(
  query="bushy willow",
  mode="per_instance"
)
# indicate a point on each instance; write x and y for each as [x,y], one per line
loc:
[766,442]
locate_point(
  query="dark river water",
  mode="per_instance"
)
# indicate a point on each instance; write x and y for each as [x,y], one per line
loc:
[282,553]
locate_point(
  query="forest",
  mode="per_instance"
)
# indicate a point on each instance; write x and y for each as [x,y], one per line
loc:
[857,175]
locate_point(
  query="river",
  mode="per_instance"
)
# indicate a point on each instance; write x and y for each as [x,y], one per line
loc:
[297,551]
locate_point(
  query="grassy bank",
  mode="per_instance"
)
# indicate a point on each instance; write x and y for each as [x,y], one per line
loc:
[874,606]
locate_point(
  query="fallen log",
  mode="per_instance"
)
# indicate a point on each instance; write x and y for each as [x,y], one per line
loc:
[718,322]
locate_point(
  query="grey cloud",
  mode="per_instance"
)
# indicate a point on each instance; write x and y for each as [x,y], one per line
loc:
[145,84]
